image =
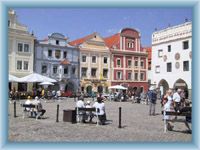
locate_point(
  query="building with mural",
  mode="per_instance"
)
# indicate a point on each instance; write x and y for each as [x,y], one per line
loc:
[55,58]
[94,63]
[128,60]
[20,51]
[172,58]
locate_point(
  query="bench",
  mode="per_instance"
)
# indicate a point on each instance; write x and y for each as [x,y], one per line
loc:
[26,112]
[181,113]
[82,111]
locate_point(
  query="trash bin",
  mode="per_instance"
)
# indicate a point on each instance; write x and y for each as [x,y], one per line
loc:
[69,116]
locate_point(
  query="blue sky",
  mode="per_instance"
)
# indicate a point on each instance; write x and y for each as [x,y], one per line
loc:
[78,22]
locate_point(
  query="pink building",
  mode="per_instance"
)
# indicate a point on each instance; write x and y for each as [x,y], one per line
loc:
[129,61]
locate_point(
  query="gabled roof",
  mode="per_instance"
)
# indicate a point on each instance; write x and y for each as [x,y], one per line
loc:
[81,40]
[112,40]
[65,62]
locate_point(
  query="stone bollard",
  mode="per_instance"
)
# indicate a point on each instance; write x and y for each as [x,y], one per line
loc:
[57,115]
[120,111]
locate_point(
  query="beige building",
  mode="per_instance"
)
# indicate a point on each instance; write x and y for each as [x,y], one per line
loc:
[94,63]
[20,50]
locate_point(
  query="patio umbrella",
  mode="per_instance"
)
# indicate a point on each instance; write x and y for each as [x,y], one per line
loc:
[46,83]
[35,77]
[13,78]
[118,87]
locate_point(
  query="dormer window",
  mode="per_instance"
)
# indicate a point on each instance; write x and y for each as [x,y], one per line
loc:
[57,42]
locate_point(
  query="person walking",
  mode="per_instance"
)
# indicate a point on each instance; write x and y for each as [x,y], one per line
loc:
[152,100]
[177,100]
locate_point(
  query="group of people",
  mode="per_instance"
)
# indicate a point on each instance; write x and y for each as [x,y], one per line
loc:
[99,104]
[34,111]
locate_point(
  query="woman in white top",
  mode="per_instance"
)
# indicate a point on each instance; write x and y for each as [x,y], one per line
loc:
[168,107]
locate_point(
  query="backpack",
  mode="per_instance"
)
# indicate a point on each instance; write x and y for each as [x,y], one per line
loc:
[152,96]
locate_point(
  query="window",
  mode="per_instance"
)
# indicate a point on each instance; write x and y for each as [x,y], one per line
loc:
[136,63]
[20,47]
[129,63]
[57,42]
[66,70]
[105,60]
[142,64]
[169,48]
[64,54]
[129,75]
[26,48]
[136,76]
[8,23]
[142,76]
[57,54]
[25,65]
[73,70]
[130,43]
[93,59]
[169,67]
[105,73]
[185,44]
[160,53]
[157,69]
[93,72]
[118,62]
[49,53]
[44,68]
[83,58]
[55,69]
[83,72]
[19,65]
[119,75]
[186,66]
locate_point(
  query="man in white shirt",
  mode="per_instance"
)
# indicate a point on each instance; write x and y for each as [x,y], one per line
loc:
[101,114]
[81,115]
[177,100]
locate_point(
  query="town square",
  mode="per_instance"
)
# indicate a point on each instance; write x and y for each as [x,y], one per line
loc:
[88,82]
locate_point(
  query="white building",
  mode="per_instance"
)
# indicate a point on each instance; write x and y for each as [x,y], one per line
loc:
[55,58]
[20,50]
[172,58]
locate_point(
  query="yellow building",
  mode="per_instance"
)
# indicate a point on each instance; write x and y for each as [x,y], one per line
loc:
[94,63]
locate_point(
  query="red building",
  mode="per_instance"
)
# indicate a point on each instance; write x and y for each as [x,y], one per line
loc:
[129,62]
[149,51]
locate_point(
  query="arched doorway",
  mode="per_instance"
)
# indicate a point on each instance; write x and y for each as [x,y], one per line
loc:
[181,84]
[164,86]
[89,89]
[70,87]
[100,89]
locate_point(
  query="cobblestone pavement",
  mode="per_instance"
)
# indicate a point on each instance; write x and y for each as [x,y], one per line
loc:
[137,125]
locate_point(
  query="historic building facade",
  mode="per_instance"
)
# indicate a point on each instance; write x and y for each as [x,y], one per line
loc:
[172,58]
[20,51]
[128,60]
[55,58]
[94,63]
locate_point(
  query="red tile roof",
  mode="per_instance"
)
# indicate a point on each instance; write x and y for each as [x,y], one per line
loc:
[81,40]
[112,40]
[65,62]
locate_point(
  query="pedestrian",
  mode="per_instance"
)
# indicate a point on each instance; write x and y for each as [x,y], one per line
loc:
[152,100]
[82,114]
[177,100]
[101,114]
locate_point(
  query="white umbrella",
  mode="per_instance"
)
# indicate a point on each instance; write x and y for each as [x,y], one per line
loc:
[119,87]
[46,83]
[35,77]
[13,78]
